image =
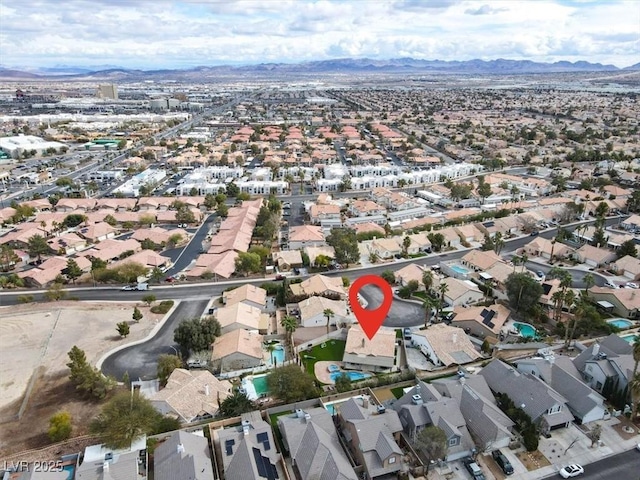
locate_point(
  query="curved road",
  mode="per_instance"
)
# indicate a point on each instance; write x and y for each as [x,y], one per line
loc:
[140,360]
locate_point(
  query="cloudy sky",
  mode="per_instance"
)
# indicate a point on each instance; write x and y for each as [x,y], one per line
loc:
[179,34]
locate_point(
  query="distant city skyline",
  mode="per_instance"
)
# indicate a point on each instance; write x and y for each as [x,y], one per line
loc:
[150,34]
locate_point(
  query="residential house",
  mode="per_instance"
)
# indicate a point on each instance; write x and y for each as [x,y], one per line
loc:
[98,232]
[183,455]
[549,288]
[546,407]
[386,247]
[444,345]
[606,364]
[632,223]
[368,227]
[372,437]
[321,213]
[214,264]
[112,249]
[451,237]
[67,243]
[375,355]
[100,462]
[489,426]
[480,260]
[50,269]
[148,259]
[241,316]
[543,248]
[69,205]
[237,350]
[627,266]
[316,453]
[408,273]
[191,395]
[469,233]
[561,374]
[249,294]
[461,292]
[593,256]
[497,275]
[320,285]
[249,451]
[312,312]
[365,208]
[161,236]
[306,236]
[424,406]
[287,260]
[420,242]
[481,322]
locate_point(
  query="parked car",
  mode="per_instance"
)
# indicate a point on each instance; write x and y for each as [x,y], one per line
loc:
[631,285]
[540,274]
[503,462]
[280,277]
[571,471]
[534,234]
[610,285]
[474,469]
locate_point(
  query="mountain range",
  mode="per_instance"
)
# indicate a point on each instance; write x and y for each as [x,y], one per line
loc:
[344,65]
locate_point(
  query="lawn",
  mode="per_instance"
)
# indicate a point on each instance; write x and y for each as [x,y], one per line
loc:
[332,350]
[397,392]
[273,419]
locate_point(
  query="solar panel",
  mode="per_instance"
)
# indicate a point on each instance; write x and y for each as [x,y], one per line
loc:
[262,437]
[267,445]
[228,445]
[265,468]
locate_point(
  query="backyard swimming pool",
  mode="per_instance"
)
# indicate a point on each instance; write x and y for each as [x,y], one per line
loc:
[278,355]
[526,330]
[631,337]
[353,376]
[255,387]
[620,323]
[460,269]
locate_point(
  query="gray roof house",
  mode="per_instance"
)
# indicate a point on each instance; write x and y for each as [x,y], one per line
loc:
[423,406]
[249,452]
[372,437]
[545,406]
[609,360]
[312,442]
[561,374]
[183,455]
[490,428]
[102,463]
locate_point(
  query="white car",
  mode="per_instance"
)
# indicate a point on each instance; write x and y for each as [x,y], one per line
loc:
[571,471]
[611,285]
[631,285]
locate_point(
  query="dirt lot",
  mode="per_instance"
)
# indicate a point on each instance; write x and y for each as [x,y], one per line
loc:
[34,340]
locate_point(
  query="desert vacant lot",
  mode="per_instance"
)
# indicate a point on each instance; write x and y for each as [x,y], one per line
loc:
[38,337]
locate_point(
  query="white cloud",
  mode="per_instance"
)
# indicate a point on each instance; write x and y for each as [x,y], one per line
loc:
[163,33]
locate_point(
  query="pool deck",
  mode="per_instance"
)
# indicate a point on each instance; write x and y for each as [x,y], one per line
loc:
[321,371]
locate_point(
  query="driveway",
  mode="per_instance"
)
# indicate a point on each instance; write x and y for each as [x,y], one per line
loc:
[401,313]
[182,257]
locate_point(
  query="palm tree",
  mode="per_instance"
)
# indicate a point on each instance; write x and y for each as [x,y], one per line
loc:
[589,281]
[578,315]
[406,243]
[558,299]
[498,243]
[428,303]
[328,313]
[442,289]
[290,325]
[524,258]
[427,280]
[516,261]
[271,347]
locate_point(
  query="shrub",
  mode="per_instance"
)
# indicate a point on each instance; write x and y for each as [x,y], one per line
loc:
[25,298]
[59,427]
[163,307]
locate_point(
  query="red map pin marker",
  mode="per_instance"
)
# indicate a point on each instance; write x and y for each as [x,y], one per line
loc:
[370,320]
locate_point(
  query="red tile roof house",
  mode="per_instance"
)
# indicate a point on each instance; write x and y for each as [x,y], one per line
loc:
[593,256]
[67,244]
[98,232]
[218,264]
[50,269]
[112,249]
[70,204]
[159,236]
[147,258]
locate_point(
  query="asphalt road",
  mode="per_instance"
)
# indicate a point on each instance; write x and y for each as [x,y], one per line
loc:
[140,360]
[624,466]
[192,250]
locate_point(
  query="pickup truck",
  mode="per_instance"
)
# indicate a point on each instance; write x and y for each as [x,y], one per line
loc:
[140,287]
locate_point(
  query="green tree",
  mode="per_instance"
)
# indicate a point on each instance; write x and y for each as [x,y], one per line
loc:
[263,252]
[345,243]
[210,201]
[523,291]
[149,299]
[290,324]
[427,280]
[594,434]
[123,329]
[291,384]
[87,379]
[599,237]
[155,276]
[184,215]
[343,383]
[236,404]
[627,248]
[137,314]
[484,191]
[232,190]
[406,243]
[437,241]
[73,271]
[248,263]
[74,220]
[222,210]
[111,220]
[55,292]
[196,335]
[322,261]
[432,442]
[125,418]
[166,365]
[129,272]
[8,258]
[37,246]
[60,427]
[389,276]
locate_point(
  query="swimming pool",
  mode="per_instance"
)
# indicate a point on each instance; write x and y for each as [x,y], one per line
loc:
[278,355]
[70,469]
[620,323]
[631,338]
[526,330]
[255,387]
[460,269]
[353,376]
[333,368]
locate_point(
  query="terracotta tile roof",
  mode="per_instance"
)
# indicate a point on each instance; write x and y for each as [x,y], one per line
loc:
[383,343]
